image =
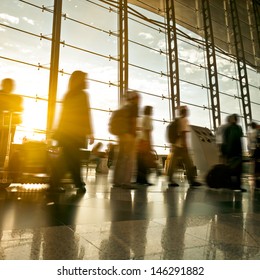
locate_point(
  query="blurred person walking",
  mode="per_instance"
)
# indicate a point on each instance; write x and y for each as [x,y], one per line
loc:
[252,134]
[144,151]
[233,151]
[220,138]
[256,157]
[180,151]
[74,128]
[125,161]
[11,107]
[252,138]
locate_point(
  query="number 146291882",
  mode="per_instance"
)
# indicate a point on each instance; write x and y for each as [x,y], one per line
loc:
[177,270]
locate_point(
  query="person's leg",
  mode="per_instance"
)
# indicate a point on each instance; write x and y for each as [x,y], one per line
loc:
[238,176]
[146,170]
[139,168]
[57,170]
[189,167]
[130,161]
[236,168]
[141,177]
[172,166]
[257,168]
[120,162]
[125,161]
[73,161]
[3,145]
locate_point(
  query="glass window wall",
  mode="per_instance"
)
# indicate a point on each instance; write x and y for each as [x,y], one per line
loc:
[89,42]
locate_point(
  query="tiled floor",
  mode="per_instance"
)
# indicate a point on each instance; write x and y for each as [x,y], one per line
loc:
[151,223]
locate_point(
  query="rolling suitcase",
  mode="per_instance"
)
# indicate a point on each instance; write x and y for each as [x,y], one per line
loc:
[219,177]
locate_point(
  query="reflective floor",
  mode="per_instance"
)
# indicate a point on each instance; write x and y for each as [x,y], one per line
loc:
[151,223]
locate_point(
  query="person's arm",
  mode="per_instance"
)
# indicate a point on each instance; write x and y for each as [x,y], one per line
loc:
[88,120]
[184,139]
[184,129]
[147,128]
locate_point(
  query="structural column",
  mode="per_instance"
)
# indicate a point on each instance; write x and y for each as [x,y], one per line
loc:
[173,57]
[54,65]
[241,64]
[123,49]
[212,64]
[256,10]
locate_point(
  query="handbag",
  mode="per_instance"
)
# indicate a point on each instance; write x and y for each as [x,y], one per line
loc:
[150,159]
[143,146]
[149,156]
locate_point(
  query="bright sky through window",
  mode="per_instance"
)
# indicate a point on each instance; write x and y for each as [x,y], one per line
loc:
[89,43]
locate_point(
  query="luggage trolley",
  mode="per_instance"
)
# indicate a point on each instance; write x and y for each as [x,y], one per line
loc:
[5,181]
[27,166]
[29,156]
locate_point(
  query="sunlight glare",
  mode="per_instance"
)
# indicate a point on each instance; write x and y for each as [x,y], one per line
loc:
[33,124]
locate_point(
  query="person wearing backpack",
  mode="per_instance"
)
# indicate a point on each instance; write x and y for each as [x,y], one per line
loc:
[124,164]
[180,151]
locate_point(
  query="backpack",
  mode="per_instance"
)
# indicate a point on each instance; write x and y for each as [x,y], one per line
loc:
[173,132]
[118,123]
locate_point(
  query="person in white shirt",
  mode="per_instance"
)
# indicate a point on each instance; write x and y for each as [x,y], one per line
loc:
[180,152]
[251,138]
[144,147]
[253,149]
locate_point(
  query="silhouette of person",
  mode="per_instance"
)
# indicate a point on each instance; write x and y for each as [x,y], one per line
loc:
[75,126]
[252,138]
[11,106]
[127,144]
[99,157]
[180,151]
[144,146]
[233,151]
[256,157]
[220,139]
[110,154]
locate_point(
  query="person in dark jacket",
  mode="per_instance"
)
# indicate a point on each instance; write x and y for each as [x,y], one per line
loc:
[233,151]
[75,126]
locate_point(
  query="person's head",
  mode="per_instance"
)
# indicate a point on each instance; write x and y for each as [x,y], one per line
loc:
[148,110]
[229,119]
[8,85]
[234,119]
[132,96]
[183,111]
[253,125]
[78,80]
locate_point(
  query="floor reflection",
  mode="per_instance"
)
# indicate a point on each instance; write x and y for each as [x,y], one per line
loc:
[127,239]
[110,223]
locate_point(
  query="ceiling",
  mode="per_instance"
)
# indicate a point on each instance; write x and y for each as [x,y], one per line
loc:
[188,14]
